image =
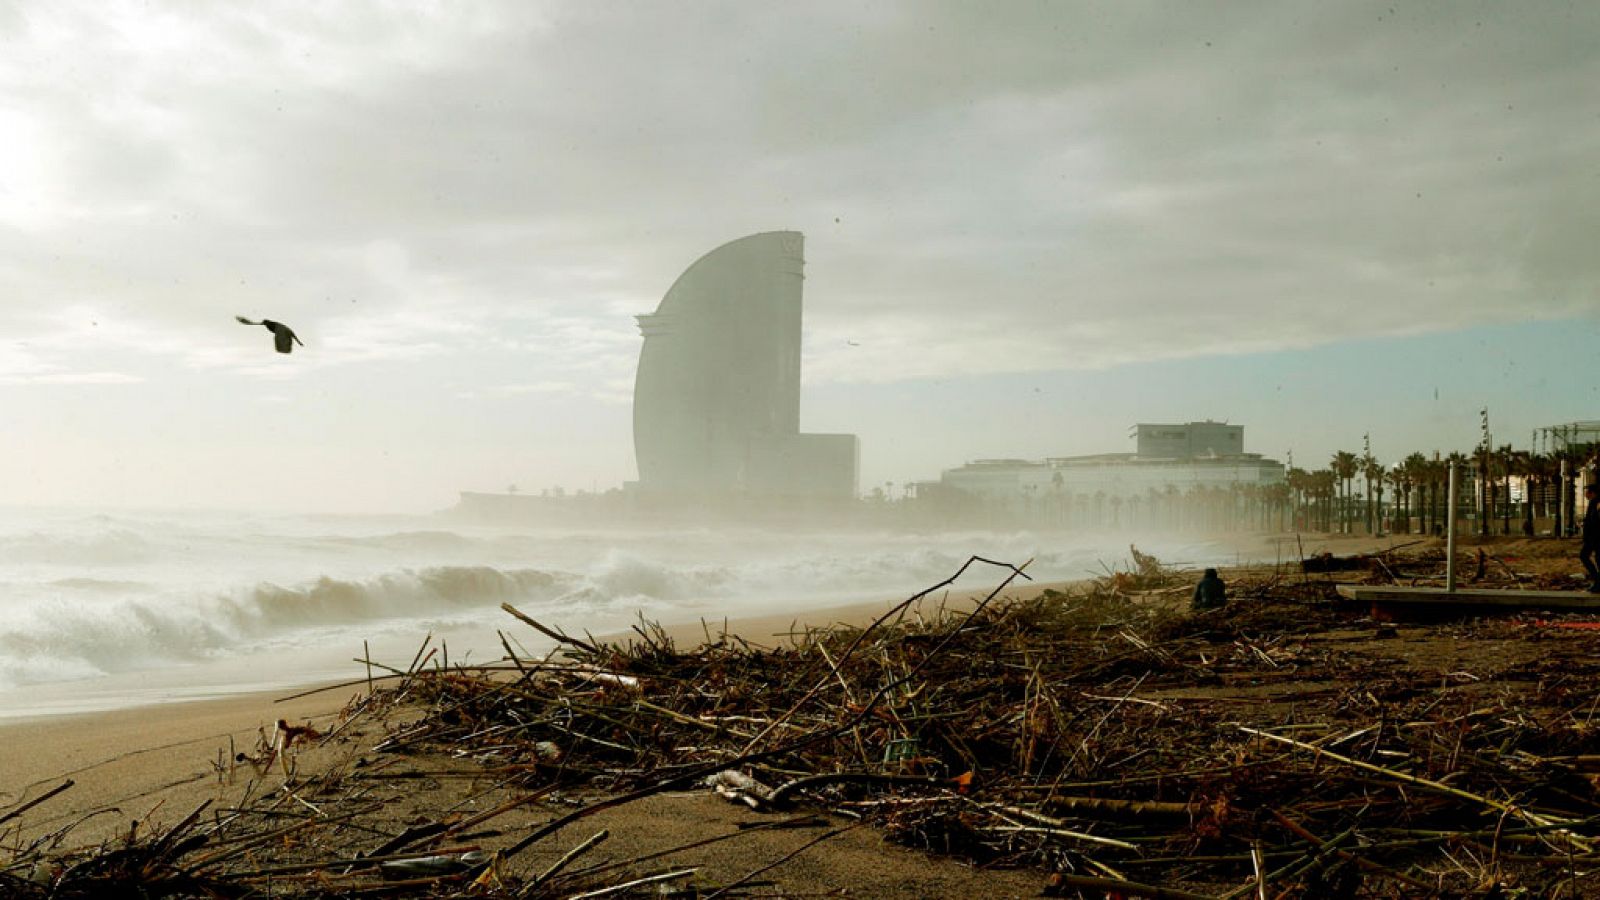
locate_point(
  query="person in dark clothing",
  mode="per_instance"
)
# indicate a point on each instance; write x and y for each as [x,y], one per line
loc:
[1591,536]
[1210,593]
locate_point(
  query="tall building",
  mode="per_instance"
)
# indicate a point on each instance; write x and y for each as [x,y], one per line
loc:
[716,403]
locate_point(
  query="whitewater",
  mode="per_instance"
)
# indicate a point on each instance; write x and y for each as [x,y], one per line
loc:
[101,611]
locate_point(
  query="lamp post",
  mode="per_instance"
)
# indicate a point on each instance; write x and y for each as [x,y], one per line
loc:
[1450,533]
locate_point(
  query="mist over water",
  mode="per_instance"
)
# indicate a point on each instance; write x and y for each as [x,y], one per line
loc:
[187,601]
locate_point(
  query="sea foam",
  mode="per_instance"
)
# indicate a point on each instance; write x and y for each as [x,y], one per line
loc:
[92,595]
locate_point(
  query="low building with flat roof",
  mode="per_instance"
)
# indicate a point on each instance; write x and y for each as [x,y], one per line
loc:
[1172,462]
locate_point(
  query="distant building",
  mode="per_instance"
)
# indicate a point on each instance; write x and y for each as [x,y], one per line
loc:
[1195,440]
[1169,459]
[716,403]
[1567,436]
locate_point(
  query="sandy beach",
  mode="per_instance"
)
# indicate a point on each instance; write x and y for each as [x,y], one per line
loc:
[132,759]
[154,764]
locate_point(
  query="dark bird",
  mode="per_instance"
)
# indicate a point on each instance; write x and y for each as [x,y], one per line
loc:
[283,337]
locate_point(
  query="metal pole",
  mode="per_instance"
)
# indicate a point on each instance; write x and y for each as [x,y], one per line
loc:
[1563,513]
[1450,533]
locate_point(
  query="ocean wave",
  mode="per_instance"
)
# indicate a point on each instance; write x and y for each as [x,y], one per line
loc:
[620,574]
[447,542]
[64,638]
[63,641]
[99,585]
[108,547]
[213,587]
[333,601]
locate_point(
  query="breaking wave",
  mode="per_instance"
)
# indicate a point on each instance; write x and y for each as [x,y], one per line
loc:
[110,547]
[89,595]
[269,608]
[61,637]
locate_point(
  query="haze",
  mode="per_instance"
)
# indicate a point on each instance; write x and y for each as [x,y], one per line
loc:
[1027,227]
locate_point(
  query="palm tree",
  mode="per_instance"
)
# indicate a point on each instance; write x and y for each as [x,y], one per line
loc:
[1536,475]
[1298,482]
[1513,466]
[1414,469]
[1433,472]
[1506,463]
[1573,456]
[1279,499]
[1441,484]
[1397,479]
[1326,485]
[1372,475]
[1459,460]
[1344,466]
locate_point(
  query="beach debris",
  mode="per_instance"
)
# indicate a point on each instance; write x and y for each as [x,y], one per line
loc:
[428,866]
[1284,749]
[18,810]
[285,736]
[1327,562]
[740,788]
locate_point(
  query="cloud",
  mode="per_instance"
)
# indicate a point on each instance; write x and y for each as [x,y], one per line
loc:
[1029,187]
[471,201]
[70,378]
[540,387]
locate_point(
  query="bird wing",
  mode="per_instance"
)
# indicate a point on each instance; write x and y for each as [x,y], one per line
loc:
[283,339]
[245,321]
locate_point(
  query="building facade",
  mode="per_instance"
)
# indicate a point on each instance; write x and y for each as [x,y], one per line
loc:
[1567,437]
[716,404]
[1193,440]
[1176,470]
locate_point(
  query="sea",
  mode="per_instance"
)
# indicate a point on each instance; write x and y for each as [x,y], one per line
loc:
[118,609]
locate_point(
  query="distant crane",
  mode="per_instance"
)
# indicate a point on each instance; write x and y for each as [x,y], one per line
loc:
[283,337]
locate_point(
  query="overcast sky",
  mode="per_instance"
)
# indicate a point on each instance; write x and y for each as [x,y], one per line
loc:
[1029,225]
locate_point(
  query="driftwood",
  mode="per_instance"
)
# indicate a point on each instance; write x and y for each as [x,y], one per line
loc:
[1327,562]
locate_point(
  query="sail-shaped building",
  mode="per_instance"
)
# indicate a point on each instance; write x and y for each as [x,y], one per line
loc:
[716,402]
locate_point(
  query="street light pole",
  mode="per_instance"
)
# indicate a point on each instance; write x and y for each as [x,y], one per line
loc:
[1450,533]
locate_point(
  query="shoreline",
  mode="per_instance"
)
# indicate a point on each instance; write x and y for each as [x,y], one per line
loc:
[168,689]
[274,666]
[99,778]
[169,753]
[100,750]
[150,765]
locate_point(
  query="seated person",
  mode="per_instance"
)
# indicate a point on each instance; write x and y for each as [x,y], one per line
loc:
[1210,593]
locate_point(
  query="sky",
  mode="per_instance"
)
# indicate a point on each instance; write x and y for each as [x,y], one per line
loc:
[1028,226]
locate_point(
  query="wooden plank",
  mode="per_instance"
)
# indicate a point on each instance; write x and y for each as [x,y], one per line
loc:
[1392,595]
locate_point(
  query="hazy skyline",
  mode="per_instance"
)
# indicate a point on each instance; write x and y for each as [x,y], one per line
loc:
[1027,227]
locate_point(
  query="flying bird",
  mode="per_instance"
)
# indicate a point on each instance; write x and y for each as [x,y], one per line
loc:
[283,337]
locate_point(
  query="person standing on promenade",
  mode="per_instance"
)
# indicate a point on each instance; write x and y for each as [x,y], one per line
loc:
[1591,535]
